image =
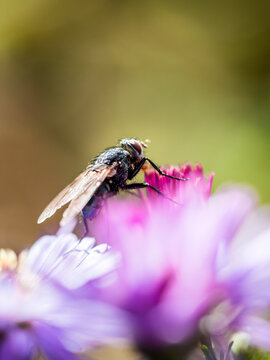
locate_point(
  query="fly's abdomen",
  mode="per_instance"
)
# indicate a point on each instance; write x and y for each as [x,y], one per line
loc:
[93,207]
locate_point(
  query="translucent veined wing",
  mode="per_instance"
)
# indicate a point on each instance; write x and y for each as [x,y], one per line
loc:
[77,204]
[88,180]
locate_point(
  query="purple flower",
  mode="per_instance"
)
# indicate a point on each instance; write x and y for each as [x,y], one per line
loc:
[39,315]
[181,264]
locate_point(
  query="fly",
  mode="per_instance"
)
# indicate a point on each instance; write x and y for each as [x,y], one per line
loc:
[104,177]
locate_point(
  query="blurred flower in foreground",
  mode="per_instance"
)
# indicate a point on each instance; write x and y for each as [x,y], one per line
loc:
[70,261]
[38,315]
[181,267]
[164,248]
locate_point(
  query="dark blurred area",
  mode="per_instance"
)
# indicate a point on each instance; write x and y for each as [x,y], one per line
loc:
[76,76]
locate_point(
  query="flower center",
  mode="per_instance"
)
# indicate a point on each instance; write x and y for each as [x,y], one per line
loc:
[8,260]
[11,263]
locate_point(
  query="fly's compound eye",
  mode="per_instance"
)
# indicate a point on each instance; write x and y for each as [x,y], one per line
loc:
[137,146]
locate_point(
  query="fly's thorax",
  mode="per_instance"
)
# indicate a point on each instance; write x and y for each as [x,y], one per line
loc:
[120,178]
[121,162]
[111,156]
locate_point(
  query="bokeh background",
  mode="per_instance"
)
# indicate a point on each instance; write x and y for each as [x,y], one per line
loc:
[76,76]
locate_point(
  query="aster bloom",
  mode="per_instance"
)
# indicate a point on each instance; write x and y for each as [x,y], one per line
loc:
[38,314]
[184,273]
[167,279]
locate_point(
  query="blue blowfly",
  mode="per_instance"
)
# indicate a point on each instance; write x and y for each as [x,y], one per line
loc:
[104,177]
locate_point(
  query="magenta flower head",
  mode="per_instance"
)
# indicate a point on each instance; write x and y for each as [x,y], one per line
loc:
[197,185]
[38,314]
[176,269]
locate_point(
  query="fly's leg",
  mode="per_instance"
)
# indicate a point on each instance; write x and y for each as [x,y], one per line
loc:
[146,185]
[142,162]
[162,173]
[86,229]
[84,220]
[135,171]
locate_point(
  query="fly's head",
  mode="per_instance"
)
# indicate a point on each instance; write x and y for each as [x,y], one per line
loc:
[134,147]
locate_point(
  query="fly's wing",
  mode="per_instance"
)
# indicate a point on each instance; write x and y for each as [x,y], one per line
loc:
[87,179]
[78,203]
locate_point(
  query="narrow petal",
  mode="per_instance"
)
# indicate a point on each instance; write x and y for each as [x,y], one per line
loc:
[46,251]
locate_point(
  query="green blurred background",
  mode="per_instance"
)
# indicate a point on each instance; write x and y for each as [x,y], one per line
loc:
[76,76]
